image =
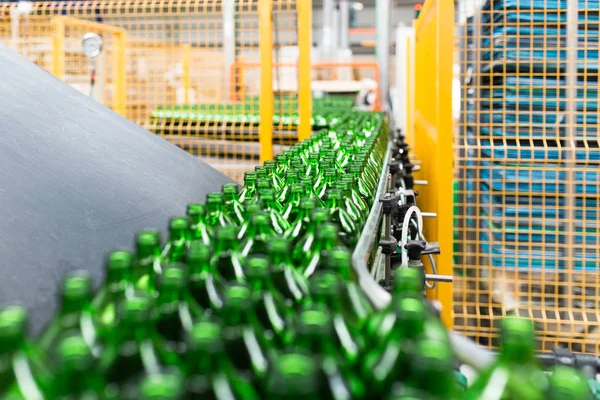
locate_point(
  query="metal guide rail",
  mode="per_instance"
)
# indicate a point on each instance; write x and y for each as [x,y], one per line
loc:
[392,238]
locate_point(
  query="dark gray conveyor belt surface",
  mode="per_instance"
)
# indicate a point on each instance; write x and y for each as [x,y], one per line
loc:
[76,181]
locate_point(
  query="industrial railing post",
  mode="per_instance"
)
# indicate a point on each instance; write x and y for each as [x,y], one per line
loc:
[58,47]
[433,133]
[304,68]
[229,45]
[382,18]
[444,171]
[185,75]
[120,105]
[265,11]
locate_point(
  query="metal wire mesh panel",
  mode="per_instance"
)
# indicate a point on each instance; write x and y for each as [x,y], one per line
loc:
[170,66]
[527,201]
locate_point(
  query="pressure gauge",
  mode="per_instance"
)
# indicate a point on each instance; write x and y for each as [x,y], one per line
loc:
[91,45]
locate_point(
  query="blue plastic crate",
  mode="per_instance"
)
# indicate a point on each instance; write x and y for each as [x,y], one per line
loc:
[543,180]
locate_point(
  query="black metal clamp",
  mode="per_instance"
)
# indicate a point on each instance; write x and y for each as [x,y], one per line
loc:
[389,206]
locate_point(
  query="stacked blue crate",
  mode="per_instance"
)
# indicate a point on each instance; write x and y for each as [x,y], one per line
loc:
[517,128]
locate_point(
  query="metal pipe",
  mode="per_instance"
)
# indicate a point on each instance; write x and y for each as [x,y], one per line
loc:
[228,43]
[428,214]
[376,294]
[344,34]
[382,19]
[388,235]
[326,36]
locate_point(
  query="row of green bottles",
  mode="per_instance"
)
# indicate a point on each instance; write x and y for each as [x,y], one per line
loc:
[255,346]
[140,341]
[326,112]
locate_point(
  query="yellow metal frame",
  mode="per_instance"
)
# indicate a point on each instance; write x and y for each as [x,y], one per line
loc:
[60,23]
[432,119]
[185,78]
[410,88]
[304,68]
[265,11]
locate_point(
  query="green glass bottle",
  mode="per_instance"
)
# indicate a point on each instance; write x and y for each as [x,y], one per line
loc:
[522,378]
[344,158]
[199,230]
[248,192]
[117,282]
[22,372]
[315,335]
[283,163]
[204,283]
[291,178]
[409,284]
[432,371]
[278,222]
[177,243]
[363,187]
[348,230]
[261,184]
[409,281]
[259,234]
[328,181]
[209,370]
[308,183]
[146,264]
[402,392]
[300,253]
[215,206]
[567,383]
[243,335]
[356,307]
[295,376]
[276,180]
[302,220]
[292,208]
[75,314]
[369,169]
[313,165]
[249,209]
[269,304]
[175,307]
[76,374]
[299,169]
[233,206]
[325,238]
[348,204]
[226,259]
[325,294]
[358,200]
[288,280]
[161,386]
[261,172]
[135,347]
[391,358]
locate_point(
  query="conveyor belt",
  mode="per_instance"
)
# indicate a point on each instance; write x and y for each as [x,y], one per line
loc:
[76,181]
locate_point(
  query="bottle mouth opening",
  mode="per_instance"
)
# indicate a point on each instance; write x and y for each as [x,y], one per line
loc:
[160,386]
[77,288]
[206,332]
[314,318]
[179,224]
[74,349]
[296,364]
[147,239]
[237,293]
[12,321]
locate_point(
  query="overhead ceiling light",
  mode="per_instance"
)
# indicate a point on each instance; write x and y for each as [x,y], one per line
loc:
[357,6]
